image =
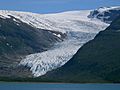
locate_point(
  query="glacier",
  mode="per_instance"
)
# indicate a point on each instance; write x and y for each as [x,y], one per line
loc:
[77,26]
[57,56]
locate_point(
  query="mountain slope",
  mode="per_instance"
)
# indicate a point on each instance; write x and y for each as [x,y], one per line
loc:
[97,61]
[18,39]
[106,14]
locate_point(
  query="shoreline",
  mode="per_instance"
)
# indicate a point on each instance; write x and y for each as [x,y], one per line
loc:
[27,82]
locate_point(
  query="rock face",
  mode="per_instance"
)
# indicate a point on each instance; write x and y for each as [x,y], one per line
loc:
[106,14]
[97,61]
[18,39]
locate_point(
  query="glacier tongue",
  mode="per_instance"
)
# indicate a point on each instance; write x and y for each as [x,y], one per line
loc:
[79,29]
[41,63]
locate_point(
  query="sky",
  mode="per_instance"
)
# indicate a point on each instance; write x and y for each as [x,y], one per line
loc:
[54,6]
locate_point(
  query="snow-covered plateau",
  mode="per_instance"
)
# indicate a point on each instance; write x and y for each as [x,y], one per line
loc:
[76,24]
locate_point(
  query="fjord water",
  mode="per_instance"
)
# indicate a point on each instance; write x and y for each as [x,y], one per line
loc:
[39,86]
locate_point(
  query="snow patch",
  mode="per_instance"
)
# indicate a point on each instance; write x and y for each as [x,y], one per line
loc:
[103,9]
[58,35]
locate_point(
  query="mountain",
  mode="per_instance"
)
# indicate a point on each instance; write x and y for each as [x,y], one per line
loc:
[78,28]
[96,61]
[106,14]
[18,39]
[33,44]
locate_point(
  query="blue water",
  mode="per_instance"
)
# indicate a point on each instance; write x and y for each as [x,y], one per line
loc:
[38,86]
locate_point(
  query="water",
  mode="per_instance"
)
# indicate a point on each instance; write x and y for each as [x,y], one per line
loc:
[39,86]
